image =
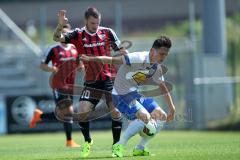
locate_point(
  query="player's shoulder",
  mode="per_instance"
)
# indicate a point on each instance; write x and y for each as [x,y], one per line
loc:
[72,46]
[139,54]
[136,57]
[80,29]
[105,29]
[77,30]
[53,46]
[50,49]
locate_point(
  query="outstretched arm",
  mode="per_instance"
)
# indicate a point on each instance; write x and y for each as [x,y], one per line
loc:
[103,59]
[62,20]
[169,101]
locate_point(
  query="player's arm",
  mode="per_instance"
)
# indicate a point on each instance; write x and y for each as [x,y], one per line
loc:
[116,43]
[47,68]
[103,59]
[80,66]
[44,63]
[62,20]
[168,99]
[57,34]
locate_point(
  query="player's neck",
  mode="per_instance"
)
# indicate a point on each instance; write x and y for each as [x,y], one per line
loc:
[90,32]
[64,45]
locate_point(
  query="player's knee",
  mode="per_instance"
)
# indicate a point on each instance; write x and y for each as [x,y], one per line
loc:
[60,114]
[115,113]
[144,119]
[163,116]
[159,114]
[82,117]
[144,116]
[85,107]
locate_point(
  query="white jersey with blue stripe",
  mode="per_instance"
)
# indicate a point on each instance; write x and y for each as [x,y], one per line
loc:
[135,63]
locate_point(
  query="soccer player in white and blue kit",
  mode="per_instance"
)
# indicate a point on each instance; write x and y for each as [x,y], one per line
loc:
[139,68]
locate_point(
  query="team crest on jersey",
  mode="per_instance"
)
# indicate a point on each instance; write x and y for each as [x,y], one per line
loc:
[151,70]
[73,51]
[101,36]
[61,53]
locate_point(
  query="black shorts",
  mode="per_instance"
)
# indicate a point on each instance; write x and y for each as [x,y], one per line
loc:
[61,97]
[93,92]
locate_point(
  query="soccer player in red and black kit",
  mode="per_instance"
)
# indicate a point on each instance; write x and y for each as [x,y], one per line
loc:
[93,40]
[64,62]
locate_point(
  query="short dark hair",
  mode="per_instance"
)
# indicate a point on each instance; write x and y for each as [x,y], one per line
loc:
[163,41]
[68,26]
[91,11]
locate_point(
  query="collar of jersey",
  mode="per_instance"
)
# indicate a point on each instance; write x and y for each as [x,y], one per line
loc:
[65,48]
[91,34]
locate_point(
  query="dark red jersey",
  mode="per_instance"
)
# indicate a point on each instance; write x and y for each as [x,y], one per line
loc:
[66,60]
[95,44]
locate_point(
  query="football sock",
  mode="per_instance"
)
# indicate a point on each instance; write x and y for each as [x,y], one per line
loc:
[48,116]
[85,131]
[116,129]
[133,128]
[68,130]
[144,140]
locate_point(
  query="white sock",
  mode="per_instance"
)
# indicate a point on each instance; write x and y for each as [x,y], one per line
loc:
[145,140]
[133,128]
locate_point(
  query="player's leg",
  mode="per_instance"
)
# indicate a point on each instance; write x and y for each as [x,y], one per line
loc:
[88,100]
[159,116]
[135,112]
[39,115]
[68,127]
[116,126]
[133,128]
[68,131]
[115,113]
[62,112]
[140,118]
[85,109]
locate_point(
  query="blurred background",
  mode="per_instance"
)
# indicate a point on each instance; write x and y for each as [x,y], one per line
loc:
[203,65]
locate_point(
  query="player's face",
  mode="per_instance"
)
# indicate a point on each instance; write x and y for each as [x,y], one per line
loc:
[92,24]
[158,55]
[65,30]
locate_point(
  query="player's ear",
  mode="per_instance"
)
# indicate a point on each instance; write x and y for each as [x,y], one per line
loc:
[151,53]
[85,21]
[152,50]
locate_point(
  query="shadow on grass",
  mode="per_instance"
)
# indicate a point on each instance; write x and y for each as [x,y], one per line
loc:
[77,158]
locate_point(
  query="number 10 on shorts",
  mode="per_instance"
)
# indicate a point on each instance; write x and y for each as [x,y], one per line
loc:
[86,94]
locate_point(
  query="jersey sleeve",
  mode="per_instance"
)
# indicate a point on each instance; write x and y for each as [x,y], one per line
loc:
[71,36]
[48,56]
[132,58]
[115,42]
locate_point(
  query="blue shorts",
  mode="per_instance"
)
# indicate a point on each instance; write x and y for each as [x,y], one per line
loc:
[130,103]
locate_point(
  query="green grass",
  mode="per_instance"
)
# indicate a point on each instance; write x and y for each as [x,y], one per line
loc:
[180,145]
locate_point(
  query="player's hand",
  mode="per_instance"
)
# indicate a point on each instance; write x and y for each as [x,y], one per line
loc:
[123,51]
[62,19]
[84,58]
[80,67]
[54,69]
[171,112]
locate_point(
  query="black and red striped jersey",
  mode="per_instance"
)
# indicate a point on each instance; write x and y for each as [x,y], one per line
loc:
[65,58]
[95,44]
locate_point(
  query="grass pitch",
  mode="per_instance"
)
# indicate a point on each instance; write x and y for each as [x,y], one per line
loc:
[179,145]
